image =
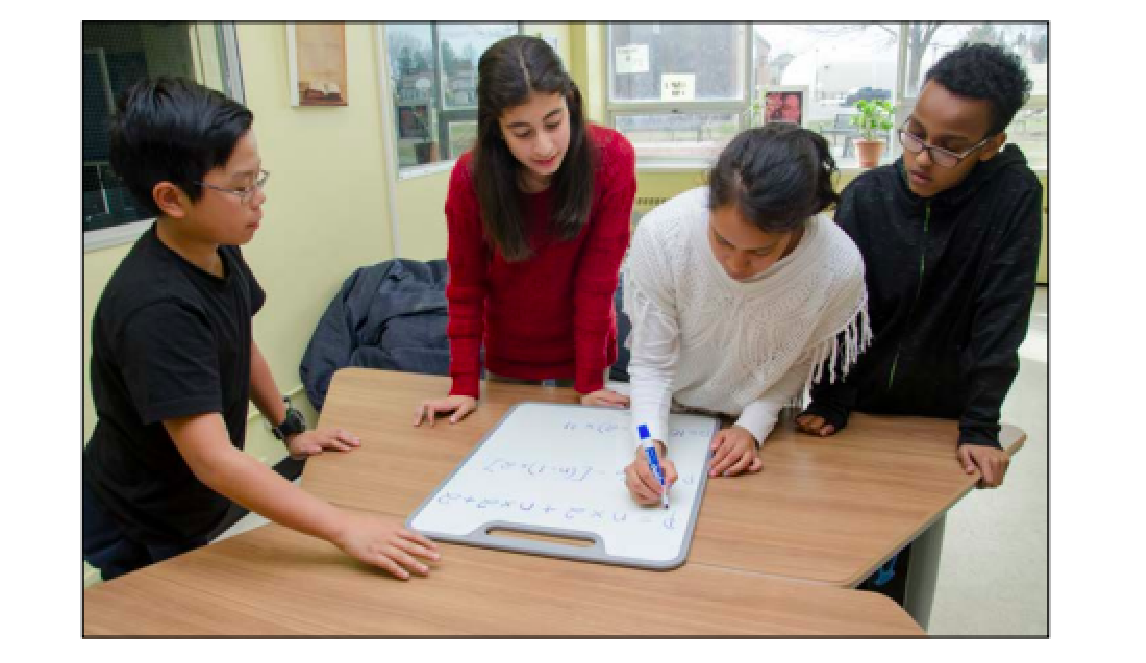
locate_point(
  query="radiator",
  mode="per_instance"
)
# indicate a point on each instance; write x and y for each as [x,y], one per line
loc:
[642,205]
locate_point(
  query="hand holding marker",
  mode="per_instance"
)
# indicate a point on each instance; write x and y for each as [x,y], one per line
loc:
[651,451]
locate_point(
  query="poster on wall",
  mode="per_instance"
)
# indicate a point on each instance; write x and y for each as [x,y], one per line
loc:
[785,104]
[317,61]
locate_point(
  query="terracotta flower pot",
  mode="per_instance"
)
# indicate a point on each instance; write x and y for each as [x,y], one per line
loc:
[868,151]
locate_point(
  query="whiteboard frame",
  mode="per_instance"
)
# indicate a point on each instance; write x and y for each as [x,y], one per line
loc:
[593,553]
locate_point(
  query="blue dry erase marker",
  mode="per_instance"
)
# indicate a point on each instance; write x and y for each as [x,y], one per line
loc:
[651,452]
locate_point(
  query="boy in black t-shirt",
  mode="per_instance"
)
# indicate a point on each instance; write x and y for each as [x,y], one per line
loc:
[174,361]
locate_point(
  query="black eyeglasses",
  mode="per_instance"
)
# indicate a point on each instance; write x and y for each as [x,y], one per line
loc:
[245,193]
[940,156]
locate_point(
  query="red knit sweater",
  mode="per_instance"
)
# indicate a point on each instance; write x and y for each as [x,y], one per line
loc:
[550,316]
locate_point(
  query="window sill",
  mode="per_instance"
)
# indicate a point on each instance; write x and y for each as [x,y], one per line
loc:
[702,165]
[414,172]
[674,164]
[97,240]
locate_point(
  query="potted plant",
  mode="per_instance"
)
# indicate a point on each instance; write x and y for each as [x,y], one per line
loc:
[754,114]
[873,121]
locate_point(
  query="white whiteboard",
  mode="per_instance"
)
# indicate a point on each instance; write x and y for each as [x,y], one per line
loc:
[559,470]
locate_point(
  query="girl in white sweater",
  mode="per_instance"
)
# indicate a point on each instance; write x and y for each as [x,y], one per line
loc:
[741,294]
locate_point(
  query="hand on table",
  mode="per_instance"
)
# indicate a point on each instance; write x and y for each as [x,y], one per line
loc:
[814,424]
[643,485]
[382,541]
[733,452]
[314,442]
[458,404]
[606,397]
[991,462]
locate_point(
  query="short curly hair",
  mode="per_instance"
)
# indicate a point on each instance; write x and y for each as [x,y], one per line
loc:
[985,71]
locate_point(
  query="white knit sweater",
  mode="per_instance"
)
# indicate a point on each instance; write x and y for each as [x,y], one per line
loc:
[744,349]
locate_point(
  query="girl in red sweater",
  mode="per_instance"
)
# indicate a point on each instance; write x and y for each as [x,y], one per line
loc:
[538,215]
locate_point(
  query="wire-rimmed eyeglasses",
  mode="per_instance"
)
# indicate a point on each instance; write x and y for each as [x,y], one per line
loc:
[245,193]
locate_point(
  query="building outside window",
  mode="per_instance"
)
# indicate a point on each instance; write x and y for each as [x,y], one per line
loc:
[928,42]
[433,71]
[823,68]
[115,56]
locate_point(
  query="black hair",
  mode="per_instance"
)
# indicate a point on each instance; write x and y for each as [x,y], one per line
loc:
[508,71]
[172,130]
[777,176]
[985,72]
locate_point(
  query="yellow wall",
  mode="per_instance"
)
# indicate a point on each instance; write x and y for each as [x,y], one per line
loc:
[421,216]
[326,210]
[585,65]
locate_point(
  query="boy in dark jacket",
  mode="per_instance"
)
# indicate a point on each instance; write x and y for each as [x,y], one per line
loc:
[950,234]
[175,363]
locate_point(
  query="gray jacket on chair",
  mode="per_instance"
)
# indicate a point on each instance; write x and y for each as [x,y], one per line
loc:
[391,315]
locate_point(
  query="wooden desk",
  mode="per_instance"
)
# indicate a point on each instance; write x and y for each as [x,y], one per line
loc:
[828,510]
[273,581]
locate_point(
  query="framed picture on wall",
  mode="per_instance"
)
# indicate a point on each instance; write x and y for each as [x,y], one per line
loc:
[785,103]
[316,55]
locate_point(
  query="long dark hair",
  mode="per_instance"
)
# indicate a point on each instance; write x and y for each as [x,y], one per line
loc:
[777,175]
[507,72]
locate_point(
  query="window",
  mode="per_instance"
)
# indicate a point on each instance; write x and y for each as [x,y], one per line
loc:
[678,90]
[834,65]
[433,71]
[823,68]
[116,55]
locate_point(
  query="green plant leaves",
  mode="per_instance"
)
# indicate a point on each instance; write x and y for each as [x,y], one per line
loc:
[873,117]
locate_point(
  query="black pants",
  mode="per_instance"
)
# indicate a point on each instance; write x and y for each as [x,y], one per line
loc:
[891,578]
[108,548]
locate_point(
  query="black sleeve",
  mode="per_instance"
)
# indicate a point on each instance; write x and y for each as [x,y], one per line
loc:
[258,296]
[999,322]
[834,399]
[170,362]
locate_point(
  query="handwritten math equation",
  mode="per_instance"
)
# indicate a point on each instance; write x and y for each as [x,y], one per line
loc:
[607,427]
[561,472]
[572,514]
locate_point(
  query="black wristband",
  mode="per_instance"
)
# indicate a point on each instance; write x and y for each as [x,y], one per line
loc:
[834,415]
[293,422]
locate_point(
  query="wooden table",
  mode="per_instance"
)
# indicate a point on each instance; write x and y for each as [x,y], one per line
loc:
[273,581]
[828,510]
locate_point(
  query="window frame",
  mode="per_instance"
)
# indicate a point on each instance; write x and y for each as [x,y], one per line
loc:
[615,109]
[902,103]
[231,80]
